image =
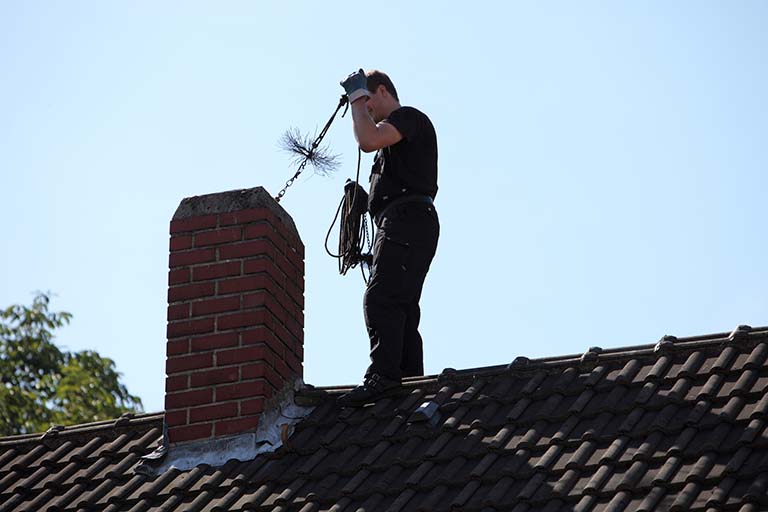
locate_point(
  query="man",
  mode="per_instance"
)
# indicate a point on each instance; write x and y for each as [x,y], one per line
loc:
[403,184]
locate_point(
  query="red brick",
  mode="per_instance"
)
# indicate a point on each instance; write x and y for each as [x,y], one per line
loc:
[269,216]
[244,216]
[295,293]
[284,371]
[194,223]
[298,349]
[262,370]
[293,321]
[260,230]
[244,355]
[190,432]
[293,271]
[261,264]
[256,335]
[179,243]
[211,377]
[258,282]
[253,406]
[280,246]
[265,232]
[266,217]
[296,259]
[177,347]
[246,249]
[242,284]
[227,269]
[186,399]
[265,265]
[178,311]
[246,389]
[272,291]
[176,383]
[178,276]
[212,412]
[264,335]
[258,299]
[195,256]
[244,319]
[185,328]
[176,418]
[297,246]
[179,364]
[294,363]
[226,427]
[295,329]
[191,291]
[218,236]
[285,337]
[211,306]
[214,341]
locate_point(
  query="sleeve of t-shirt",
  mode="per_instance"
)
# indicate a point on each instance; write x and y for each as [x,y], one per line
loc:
[406,120]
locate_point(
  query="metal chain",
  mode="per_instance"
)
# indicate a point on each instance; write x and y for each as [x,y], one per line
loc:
[367,238]
[342,102]
[288,183]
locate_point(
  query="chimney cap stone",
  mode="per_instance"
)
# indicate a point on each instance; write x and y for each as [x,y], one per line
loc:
[233,201]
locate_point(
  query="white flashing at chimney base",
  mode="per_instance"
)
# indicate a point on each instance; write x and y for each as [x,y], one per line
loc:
[243,447]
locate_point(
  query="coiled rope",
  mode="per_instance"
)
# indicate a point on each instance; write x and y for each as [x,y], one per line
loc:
[354,236]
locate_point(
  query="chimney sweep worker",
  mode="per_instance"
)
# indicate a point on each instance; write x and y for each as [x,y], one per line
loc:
[403,183]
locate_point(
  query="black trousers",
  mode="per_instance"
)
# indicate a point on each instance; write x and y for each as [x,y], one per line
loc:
[404,246]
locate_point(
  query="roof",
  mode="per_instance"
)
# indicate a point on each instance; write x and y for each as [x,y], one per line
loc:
[680,425]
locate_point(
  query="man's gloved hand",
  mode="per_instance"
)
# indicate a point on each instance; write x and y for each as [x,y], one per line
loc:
[356,86]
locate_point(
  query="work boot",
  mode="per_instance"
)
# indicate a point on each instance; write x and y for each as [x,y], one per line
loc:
[374,387]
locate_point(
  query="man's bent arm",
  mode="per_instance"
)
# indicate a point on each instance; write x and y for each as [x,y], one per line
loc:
[371,136]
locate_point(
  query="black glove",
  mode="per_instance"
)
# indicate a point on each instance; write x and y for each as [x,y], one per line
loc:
[356,86]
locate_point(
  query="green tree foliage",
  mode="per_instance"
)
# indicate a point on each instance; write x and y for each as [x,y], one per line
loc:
[42,385]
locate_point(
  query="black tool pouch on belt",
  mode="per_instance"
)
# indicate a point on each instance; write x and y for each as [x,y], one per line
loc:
[356,198]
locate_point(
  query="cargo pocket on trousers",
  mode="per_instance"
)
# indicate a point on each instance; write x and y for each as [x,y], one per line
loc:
[393,258]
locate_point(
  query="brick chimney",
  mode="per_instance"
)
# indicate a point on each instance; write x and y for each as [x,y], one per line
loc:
[235,313]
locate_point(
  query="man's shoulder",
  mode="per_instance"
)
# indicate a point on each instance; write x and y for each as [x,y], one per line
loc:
[410,119]
[407,110]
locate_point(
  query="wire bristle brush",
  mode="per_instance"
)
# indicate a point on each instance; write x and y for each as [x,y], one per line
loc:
[305,150]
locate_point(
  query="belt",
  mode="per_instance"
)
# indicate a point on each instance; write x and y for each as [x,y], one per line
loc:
[400,201]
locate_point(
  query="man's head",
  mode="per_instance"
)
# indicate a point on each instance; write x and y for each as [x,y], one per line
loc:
[383,98]
[378,78]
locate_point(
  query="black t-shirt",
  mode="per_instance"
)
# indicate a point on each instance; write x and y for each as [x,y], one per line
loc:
[408,167]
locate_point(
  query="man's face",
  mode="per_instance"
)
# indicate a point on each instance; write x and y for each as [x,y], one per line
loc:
[374,105]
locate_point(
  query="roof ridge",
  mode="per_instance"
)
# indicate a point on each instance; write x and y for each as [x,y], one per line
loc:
[742,333]
[523,364]
[57,431]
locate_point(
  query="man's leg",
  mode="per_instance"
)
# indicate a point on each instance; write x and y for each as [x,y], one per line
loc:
[384,304]
[413,352]
[403,249]
[384,308]
[422,254]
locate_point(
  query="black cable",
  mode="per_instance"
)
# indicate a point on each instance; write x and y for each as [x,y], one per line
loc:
[353,227]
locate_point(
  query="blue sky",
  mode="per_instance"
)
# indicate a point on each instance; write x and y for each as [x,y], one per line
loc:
[602,164]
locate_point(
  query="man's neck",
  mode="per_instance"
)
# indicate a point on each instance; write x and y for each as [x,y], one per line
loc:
[391,108]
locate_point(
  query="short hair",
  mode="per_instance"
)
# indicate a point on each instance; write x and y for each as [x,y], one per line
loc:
[377,78]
